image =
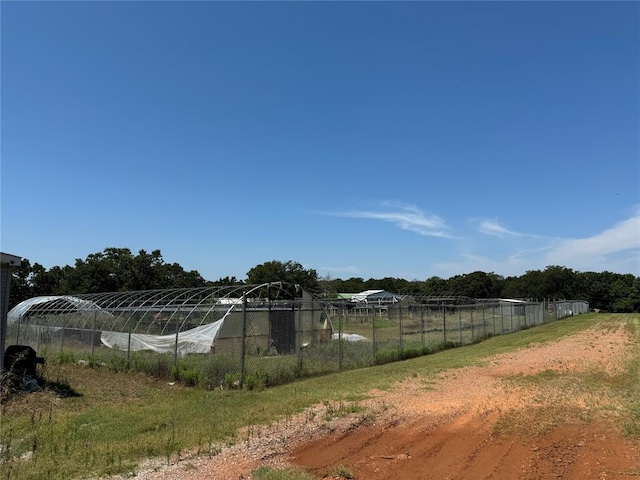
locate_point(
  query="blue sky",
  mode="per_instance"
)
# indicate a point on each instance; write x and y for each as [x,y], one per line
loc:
[359,139]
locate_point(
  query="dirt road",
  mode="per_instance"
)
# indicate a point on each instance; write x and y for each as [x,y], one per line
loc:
[523,415]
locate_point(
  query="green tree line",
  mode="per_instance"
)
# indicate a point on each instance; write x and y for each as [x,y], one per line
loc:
[118,269]
[607,291]
[113,270]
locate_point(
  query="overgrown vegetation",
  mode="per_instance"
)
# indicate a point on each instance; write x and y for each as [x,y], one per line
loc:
[109,419]
[261,371]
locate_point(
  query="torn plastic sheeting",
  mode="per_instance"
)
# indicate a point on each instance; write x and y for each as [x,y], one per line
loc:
[195,340]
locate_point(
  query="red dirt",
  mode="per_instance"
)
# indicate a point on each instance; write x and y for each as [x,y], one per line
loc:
[470,423]
[466,448]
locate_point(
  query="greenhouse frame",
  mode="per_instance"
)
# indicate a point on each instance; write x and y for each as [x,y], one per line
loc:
[277,317]
[263,334]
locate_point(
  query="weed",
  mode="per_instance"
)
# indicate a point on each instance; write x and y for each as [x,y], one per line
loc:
[339,409]
[233,380]
[256,381]
[266,473]
[343,472]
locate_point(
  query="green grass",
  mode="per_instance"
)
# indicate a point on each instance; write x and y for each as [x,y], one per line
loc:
[561,395]
[343,472]
[102,422]
[265,473]
[630,387]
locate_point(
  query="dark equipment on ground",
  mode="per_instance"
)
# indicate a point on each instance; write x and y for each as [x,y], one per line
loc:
[21,361]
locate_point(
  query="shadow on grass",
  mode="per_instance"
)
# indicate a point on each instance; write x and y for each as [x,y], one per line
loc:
[12,385]
[60,389]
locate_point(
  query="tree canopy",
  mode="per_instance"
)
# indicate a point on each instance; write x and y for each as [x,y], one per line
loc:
[289,271]
[118,269]
[113,270]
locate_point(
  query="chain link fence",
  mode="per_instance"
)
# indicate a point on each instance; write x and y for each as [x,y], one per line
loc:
[258,336]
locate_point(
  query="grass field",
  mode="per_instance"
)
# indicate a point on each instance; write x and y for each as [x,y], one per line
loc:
[91,421]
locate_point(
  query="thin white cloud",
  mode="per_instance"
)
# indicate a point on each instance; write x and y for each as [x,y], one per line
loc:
[623,238]
[406,217]
[492,227]
[614,249]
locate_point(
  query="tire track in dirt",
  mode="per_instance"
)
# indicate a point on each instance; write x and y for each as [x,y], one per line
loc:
[449,427]
[450,431]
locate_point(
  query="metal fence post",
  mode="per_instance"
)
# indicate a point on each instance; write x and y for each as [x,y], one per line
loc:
[373,338]
[511,311]
[339,343]
[424,345]
[175,347]
[93,332]
[400,324]
[298,329]
[129,347]
[493,317]
[61,338]
[484,324]
[444,323]
[244,332]
[460,323]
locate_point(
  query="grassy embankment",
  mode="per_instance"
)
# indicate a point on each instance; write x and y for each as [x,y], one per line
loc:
[582,396]
[93,422]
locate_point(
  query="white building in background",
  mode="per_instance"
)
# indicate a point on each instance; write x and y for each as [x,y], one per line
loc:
[376,297]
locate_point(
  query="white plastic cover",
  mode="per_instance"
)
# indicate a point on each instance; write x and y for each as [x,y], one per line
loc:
[23,307]
[350,337]
[196,340]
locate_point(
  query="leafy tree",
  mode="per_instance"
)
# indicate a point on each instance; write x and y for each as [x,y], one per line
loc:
[596,290]
[635,295]
[224,281]
[435,286]
[390,284]
[20,287]
[351,285]
[47,282]
[560,282]
[176,277]
[621,294]
[529,285]
[477,285]
[414,288]
[114,269]
[145,271]
[289,271]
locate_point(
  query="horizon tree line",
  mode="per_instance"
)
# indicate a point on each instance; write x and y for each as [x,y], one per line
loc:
[118,269]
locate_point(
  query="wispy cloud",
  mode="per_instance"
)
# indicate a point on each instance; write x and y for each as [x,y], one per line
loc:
[492,227]
[614,249]
[623,238]
[406,217]
[490,245]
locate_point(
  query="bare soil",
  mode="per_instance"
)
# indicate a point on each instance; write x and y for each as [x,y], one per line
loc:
[481,422]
